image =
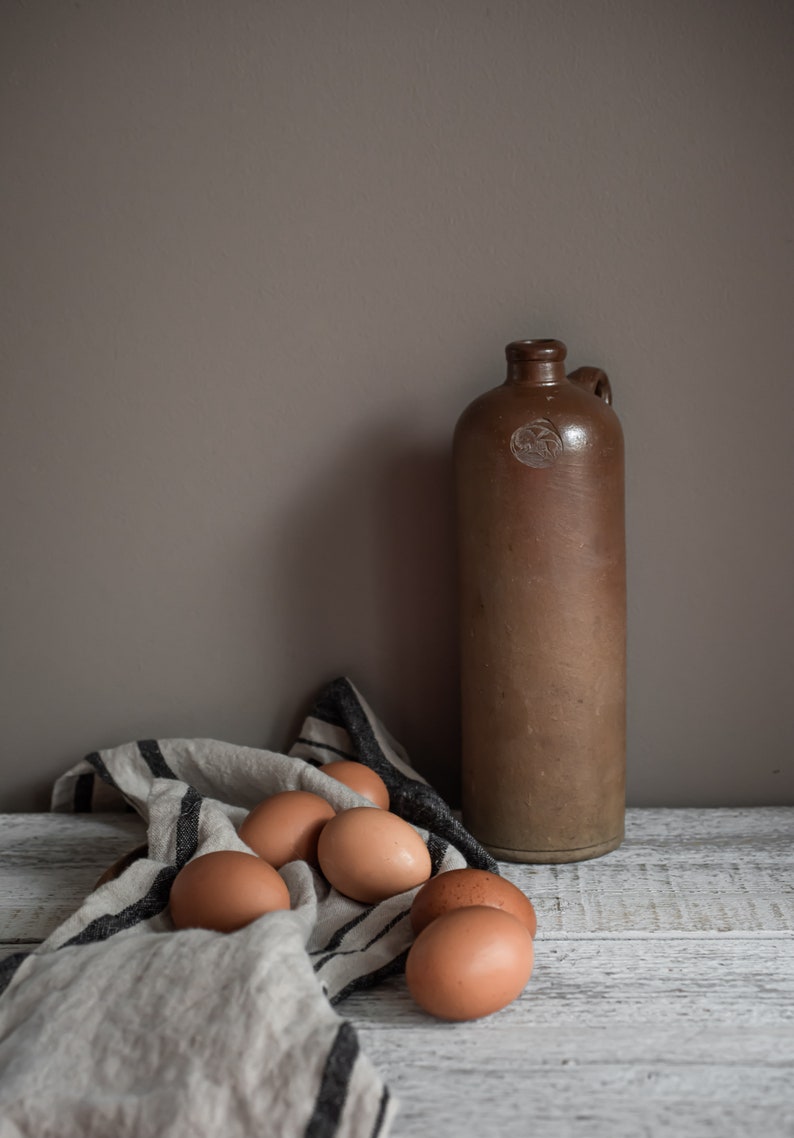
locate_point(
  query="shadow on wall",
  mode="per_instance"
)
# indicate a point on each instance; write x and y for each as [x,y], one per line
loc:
[365,568]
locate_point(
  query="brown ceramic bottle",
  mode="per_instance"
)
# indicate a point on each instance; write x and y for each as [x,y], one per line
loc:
[542,581]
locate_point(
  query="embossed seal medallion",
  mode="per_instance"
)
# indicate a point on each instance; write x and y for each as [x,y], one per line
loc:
[537,444]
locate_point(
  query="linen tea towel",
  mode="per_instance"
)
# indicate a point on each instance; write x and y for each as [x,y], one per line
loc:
[117,1024]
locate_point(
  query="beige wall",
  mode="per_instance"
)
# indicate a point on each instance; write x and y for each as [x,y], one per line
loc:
[256,259]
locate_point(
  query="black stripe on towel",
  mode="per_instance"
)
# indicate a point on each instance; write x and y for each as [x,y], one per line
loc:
[343,930]
[387,927]
[384,1102]
[327,747]
[370,979]
[326,706]
[157,898]
[187,826]
[8,967]
[95,759]
[350,715]
[415,801]
[141,910]
[363,948]
[437,848]
[425,807]
[83,793]
[331,1097]
[153,757]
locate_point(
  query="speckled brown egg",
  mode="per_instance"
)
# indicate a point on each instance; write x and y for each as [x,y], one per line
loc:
[224,891]
[286,827]
[460,888]
[371,854]
[469,963]
[364,780]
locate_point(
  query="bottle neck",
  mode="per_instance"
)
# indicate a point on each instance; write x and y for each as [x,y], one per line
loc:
[535,373]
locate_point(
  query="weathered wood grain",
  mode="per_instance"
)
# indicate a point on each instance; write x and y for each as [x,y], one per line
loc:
[9,948]
[609,1039]
[49,862]
[596,983]
[678,870]
[662,1001]
[593,1097]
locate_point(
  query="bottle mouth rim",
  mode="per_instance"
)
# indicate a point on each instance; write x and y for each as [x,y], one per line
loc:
[541,351]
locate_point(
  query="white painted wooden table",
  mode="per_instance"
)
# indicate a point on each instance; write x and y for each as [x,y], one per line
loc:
[662,1001]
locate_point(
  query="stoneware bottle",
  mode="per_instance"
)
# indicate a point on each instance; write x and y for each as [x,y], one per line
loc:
[542,585]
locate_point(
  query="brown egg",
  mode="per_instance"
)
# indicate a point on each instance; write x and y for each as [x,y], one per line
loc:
[460,888]
[286,826]
[370,854]
[360,778]
[224,891]
[469,963]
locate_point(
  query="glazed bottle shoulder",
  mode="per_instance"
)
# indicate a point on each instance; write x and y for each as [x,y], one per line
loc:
[502,410]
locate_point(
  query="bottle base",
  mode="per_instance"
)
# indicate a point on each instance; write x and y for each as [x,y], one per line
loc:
[555,857]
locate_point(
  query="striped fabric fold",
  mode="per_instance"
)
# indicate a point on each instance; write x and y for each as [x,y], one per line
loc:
[270,1054]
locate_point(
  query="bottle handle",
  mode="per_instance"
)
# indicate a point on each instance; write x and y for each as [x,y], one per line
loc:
[594,380]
